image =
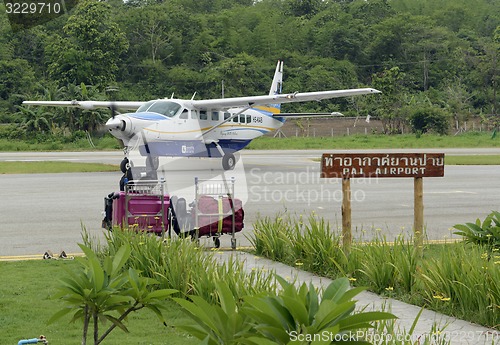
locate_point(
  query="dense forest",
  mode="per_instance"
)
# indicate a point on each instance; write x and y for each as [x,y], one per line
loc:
[436,61]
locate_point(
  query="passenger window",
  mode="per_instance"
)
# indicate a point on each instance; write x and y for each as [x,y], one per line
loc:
[194,114]
[184,115]
[235,119]
[249,118]
[215,116]
[226,116]
[203,115]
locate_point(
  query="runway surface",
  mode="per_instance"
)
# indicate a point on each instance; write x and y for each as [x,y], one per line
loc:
[40,212]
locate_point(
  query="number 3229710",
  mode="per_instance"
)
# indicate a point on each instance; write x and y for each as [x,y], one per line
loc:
[32,8]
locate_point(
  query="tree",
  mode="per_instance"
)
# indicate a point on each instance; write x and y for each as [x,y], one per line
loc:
[100,292]
[35,120]
[16,78]
[90,50]
[388,105]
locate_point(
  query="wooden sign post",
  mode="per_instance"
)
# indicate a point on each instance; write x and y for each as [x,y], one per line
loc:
[369,165]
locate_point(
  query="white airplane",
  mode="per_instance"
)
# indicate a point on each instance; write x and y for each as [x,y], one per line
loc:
[202,128]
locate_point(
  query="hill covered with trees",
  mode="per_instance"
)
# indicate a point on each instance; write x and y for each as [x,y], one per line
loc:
[436,61]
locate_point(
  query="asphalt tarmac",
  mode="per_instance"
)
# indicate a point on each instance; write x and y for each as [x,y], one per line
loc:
[40,212]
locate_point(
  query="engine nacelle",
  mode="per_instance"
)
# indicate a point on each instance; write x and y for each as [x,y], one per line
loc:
[126,127]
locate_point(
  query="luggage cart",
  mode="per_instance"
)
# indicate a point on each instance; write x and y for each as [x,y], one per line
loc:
[214,210]
[146,206]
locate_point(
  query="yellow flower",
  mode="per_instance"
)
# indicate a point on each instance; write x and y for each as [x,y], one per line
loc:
[437,297]
[352,279]
[390,288]
[299,264]
[445,299]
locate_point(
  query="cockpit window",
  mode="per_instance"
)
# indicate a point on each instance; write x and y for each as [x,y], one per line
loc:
[166,108]
[145,107]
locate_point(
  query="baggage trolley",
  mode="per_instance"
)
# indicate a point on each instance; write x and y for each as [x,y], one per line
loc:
[146,205]
[215,211]
[142,206]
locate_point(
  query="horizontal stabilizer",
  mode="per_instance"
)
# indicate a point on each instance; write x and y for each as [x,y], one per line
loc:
[297,115]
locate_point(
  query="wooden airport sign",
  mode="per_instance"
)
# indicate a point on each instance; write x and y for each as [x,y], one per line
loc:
[352,165]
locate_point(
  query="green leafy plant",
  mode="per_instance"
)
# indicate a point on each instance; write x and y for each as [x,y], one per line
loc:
[301,314]
[216,324]
[485,233]
[182,265]
[100,292]
[294,314]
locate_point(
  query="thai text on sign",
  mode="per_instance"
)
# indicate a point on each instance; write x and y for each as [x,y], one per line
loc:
[351,165]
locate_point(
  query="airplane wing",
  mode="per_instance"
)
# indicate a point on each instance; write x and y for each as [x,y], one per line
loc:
[88,105]
[279,98]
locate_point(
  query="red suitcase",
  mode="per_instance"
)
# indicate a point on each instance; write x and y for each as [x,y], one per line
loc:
[145,212]
[215,219]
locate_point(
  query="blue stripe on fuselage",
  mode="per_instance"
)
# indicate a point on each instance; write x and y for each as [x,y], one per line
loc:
[192,148]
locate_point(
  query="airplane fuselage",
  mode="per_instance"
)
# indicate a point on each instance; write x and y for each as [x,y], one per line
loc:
[173,127]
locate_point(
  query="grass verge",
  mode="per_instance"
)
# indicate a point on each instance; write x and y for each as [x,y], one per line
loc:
[53,167]
[466,140]
[459,279]
[373,141]
[26,305]
[472,160]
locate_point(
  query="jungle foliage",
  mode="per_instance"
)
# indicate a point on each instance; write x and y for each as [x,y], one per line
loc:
[435,61]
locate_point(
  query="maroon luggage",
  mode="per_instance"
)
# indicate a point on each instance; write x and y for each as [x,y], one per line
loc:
[144,212]
[211,213]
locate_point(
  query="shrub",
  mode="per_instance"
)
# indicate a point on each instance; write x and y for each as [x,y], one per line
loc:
[429,120]
[486,233]
[292,314]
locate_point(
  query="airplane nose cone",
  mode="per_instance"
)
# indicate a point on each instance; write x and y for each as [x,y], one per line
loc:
[115,124]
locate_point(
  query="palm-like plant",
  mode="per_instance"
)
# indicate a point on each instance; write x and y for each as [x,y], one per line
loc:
[107,292]
[293,314]
[482,233]
[35,120]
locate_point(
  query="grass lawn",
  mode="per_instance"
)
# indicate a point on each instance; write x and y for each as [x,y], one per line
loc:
[53,167]
[467,140]
[26,305]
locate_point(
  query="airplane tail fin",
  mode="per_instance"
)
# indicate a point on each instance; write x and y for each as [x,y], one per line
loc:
[277,80]
[276,87]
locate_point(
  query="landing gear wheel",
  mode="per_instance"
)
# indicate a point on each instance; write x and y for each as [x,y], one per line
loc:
[124,165]
[216,242]
[228,161]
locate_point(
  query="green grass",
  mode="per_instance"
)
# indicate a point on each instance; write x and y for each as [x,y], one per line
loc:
[458,279]
[467,140]
[104,143]
[53,167]
[472,160]
[26,305]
